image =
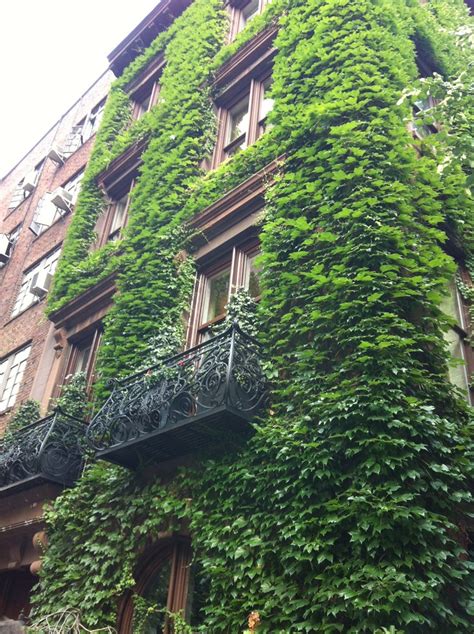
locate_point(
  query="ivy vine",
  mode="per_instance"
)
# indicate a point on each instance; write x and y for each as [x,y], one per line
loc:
[346,510]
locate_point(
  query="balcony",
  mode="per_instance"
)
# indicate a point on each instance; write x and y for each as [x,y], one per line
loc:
[48,450]
[205,394]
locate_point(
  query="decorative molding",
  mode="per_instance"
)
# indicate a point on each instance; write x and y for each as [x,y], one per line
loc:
[157,21]
[255,57]
[123,167]
[93,300]
[236,203]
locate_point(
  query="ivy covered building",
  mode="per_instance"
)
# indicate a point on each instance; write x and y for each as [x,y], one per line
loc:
[265,292]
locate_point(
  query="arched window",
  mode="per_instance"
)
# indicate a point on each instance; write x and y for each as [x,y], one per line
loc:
[165,580]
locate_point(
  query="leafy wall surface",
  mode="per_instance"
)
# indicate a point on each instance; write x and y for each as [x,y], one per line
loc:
[346,511]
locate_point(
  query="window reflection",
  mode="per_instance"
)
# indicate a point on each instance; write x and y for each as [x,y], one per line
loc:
[218,295]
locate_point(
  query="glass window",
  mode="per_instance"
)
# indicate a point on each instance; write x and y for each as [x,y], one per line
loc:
[252,278]
[92,122]
[156,595]
[455,338]
[250,11]
[25,297]
[11,374]
[244,121]
[236,270]
[73,186]
[266,103]
[82,356]
[119,216]
[238,120]
[165,582]
[145,99]
[218,295]
[25,186]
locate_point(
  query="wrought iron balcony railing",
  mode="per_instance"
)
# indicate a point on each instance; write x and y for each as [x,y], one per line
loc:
[48,450]
[176,407]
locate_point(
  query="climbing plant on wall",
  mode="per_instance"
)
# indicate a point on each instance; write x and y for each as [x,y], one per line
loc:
[345,512]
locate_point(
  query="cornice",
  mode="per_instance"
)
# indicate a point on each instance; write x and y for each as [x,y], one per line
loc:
[122,166]
[157,21]
[247,197]
[90,301]
[251,56]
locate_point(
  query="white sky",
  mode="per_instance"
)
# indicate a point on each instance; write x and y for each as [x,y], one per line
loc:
[50,52]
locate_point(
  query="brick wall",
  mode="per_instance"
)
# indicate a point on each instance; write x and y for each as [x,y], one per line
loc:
[31,326]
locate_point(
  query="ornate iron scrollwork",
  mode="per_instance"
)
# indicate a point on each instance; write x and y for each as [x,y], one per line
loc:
[222,373]
[50,449]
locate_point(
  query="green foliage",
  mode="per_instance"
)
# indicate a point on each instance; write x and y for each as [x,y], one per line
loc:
[74,398]
[343,512]
[242,310]
[28,412]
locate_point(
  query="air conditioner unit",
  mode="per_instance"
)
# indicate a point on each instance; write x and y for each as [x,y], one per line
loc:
[40,283]
[62,199]
[29,182]
[56,154]
[5,247]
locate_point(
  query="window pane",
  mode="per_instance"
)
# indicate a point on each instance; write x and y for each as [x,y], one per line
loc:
[267,102]
[253,282]
[457,371]
[249,11]
[119,215]
[11,375]
[238,120]
[156,595]
[218,295]
[142,105]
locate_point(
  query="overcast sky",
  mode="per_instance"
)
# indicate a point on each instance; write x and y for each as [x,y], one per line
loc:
[50,52]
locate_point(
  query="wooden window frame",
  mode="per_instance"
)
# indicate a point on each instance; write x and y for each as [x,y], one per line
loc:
[236,8]
[179,549]
[148,82]
[236,258]
[253,86]
[154,91]
[105,234]
[92,335]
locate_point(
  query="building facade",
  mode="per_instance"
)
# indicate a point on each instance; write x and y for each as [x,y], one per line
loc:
[254,248]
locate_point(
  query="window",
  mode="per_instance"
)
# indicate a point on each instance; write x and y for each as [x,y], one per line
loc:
[7,243]
[84,129]
[47,212]
[116,215]
[82,355]
[456,339]
[421,109]
[217,281]
[26,186]
[93,120]
[166,580]
[243,13]
[145,98]
[244,119]
[11,374]
[37,278]
[144,91]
